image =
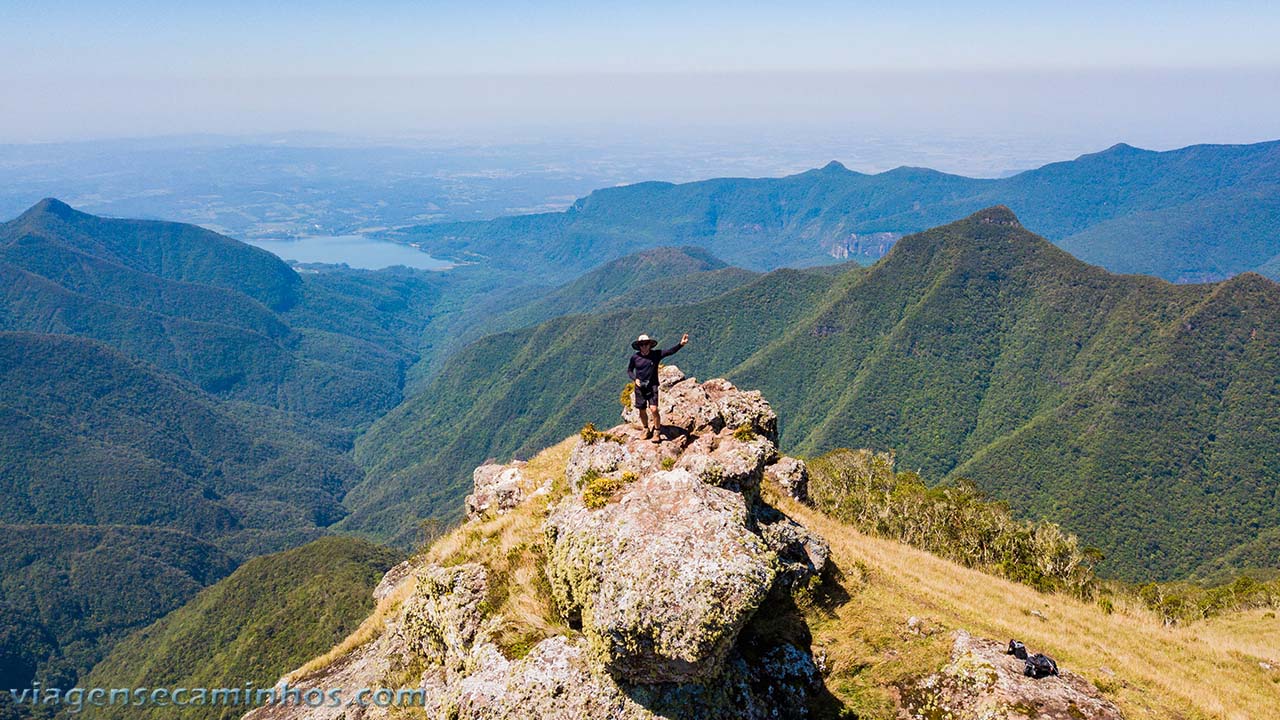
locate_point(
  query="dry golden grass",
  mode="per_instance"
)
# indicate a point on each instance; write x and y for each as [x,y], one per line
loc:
[1204,670]
[510,548]
[507,546]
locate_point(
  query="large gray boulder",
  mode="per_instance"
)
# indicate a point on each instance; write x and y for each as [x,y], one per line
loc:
[661,581]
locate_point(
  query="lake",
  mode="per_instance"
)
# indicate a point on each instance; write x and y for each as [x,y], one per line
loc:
[357,251]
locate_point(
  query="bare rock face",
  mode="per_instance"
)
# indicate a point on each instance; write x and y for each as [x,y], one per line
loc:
[981,681]
[792,477]
[498,488]
[802,555]
[662,581]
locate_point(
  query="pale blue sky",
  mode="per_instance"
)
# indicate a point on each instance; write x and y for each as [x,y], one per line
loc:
[139,67]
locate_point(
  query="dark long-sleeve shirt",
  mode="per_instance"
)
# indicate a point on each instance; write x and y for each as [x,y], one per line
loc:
[644,368]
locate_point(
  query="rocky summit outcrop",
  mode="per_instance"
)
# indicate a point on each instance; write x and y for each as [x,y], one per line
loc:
[659,560]
[981,681]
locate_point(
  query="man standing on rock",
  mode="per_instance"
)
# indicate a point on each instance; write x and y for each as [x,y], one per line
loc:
[643,371]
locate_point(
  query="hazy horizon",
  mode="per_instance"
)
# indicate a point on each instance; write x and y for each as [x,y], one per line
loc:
[1157,75]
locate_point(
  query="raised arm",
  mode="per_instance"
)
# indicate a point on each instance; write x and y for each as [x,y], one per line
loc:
[684,340]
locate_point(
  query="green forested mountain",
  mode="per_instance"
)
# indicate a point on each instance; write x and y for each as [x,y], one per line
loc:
[170,390]
[658,276]
[96,438]
[68,592]
[233,319]
[51,234]
[1200,213]
[126,491]
[266,618]
[1138,413]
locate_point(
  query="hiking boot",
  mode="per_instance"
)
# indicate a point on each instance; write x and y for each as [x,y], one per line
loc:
[648,433]
[657,436]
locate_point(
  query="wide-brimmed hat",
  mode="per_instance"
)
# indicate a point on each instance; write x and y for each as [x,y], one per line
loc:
[642,340]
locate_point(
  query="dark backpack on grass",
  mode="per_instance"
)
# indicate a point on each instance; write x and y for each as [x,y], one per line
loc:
[1039,666]
[1017,650]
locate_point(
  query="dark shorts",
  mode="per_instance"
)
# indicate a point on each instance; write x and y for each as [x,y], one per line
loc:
[645,398]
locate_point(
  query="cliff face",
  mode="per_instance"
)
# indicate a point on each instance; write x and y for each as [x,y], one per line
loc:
[671,584]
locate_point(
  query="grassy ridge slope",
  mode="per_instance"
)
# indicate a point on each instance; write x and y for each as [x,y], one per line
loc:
[1208,669]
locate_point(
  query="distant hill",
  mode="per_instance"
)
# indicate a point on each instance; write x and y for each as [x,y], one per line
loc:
[170,391]
[69,592]
[233,319]
[51,231]
[1200,213]
[648,278]
[267,617]
[1137,413]
[96,438]
[614,279]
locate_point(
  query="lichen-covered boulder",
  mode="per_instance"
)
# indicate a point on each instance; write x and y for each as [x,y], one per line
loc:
[617,451]
[497,489]
[444,617]
[661,581]
[792,477]
[555,681]
[981,681]
[727,461]
[709,407]
[743,408]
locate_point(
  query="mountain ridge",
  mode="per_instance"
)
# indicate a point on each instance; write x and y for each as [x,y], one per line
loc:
[971,336]
[809,217]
